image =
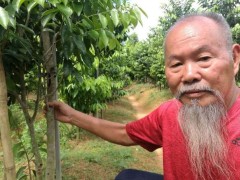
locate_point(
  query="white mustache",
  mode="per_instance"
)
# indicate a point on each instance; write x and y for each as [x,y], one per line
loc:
[195,87]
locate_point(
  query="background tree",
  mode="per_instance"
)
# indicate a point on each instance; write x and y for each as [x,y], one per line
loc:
[82,32]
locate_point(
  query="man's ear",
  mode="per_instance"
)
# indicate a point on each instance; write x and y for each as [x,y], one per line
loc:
[236,57]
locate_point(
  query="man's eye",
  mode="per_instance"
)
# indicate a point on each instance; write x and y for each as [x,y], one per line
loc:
[204,58]
[176,65]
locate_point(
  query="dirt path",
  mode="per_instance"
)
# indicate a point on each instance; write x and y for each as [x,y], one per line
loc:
[141,111]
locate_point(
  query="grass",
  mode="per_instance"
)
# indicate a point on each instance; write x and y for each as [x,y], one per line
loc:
[119,111]
[99,160]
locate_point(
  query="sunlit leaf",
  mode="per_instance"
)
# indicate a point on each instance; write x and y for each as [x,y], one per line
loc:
[125,19]
[31,5]
[100,45]
[67,11]
[93,34]
[110,25]
[145,14]
[114,16]
[46,19]
[110,34]
[134,20]
[41,2]
[103,20]
[103,37]
[17,3]
[137,12]
[112,44]
[92,50]
[4,18]
[96,62]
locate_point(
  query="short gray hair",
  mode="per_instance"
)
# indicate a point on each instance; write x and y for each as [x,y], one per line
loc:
[217,18]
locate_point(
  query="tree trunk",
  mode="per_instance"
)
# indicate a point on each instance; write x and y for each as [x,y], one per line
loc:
[30,120]
[30,123]
[9,165]
[53,156]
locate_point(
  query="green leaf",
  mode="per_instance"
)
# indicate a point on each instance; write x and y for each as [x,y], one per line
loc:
[114,16]
[11,10]
[112,44]
[67,11]
[118,3]
[134,20]
[41,2]
[31,5]
[20,172]
[125,19]
[92,50]
[17,3]
[137,13]
[50,11]
[145,14]
[26,28]
[103,37]
[96,23]
[46,19]
[65,2]
[103,20]
[21,153]
[12,22]
[110,25]
[87,22]
[68,22]
[78,8]
[100,45]
[96,62]
[54,2]
[93,34]
[17,147]
[78,40]
[110,34]
[4,18]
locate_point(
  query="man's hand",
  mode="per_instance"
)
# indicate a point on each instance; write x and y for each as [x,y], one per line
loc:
[62,111]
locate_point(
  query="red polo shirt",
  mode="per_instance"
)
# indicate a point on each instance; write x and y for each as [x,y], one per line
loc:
[160,129]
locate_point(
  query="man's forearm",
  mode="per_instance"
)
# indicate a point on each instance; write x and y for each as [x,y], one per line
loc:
[110,131]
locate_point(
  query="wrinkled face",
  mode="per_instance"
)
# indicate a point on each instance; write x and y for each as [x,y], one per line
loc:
[197,59]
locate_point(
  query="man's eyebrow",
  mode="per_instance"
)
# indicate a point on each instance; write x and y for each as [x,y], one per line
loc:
[202,49]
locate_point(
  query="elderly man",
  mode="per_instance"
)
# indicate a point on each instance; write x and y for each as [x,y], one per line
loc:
[199,129]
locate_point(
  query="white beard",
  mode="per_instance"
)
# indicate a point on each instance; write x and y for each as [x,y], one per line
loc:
[204,130]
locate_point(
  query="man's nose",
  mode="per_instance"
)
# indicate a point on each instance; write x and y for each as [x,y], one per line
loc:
[191,73]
